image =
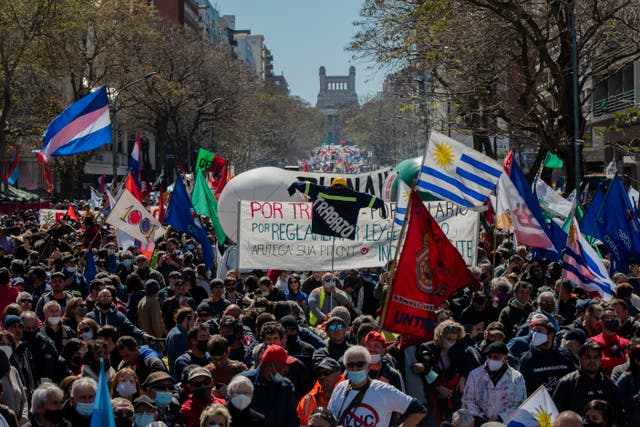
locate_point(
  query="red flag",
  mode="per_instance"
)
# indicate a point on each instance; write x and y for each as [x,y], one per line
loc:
[71,213]
[103,181]
[48,178]
[217,165]
[222,181]
[508,162]
[430,270]
[130,184]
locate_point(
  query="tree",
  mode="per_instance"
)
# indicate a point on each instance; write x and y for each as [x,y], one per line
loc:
[508,60]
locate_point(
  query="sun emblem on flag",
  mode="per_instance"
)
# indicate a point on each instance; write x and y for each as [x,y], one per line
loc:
[573,237]
[542,417]
[443,155]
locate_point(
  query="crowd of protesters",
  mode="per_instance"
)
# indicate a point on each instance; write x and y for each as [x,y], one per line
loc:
[280,348]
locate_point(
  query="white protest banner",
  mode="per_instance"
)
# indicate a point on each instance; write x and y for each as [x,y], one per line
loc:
[278,235]
[51,216]
[130,216]
[368,182]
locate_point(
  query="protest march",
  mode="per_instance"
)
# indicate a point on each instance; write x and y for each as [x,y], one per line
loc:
[465,297]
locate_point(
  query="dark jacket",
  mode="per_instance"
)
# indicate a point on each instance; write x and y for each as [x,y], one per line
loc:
[274,400]
[73,417]
[513,316]
[544,367]
[114,318]
[246,417]
[576,389]
[44,359]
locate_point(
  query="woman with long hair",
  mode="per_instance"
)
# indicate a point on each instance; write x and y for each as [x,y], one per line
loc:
[74,312]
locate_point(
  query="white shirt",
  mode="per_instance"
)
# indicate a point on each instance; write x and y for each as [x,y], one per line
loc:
[379,402]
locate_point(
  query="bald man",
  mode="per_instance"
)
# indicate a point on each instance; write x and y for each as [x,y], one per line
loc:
[568,419]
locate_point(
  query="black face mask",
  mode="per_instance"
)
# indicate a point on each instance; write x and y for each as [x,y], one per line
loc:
[53,417]
[123,422]
[202,394]
[77,360]
[202,345]
[612,324]
[104,305]
[29,336]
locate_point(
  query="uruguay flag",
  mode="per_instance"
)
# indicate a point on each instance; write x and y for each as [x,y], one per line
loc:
[537,410]
[84,126]
[134,163]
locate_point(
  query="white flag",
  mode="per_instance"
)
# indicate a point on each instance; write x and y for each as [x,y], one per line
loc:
[551,201]
[611,170]
[130,216]
[452,171]
[634,196]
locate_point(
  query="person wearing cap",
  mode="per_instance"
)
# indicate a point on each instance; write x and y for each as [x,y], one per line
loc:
[544,364]
[614,347]
[273,394]
[517,310]
[149,313]
[144,411]
[324,298]
[200,386]
[337,345]
[494,390]
[578,388]
[328,373]
[74,282]
[159,387]
[295,346]
[12,329]
[198,336]
[361,398]
[380,368]
[57,293]
[521,344]
[571,341]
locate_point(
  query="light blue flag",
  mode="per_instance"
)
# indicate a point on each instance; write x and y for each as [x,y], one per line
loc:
[102,415]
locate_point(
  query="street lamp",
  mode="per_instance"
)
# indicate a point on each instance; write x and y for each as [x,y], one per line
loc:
[576,126]
[191,119]
[115,122]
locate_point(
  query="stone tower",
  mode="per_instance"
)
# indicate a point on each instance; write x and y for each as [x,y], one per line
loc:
[337,100]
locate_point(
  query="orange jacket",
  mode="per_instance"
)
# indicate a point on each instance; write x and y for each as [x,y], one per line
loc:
[312,400]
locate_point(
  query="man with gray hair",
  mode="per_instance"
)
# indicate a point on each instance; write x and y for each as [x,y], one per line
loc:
[46,406]
[360,400]
[240,394]
[78,409]
[462,418]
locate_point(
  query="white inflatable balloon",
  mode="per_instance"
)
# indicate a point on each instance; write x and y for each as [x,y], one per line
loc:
[264,184]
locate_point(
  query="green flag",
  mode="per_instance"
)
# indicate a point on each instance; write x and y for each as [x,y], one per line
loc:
[206,204]
[205,159]
[552,161]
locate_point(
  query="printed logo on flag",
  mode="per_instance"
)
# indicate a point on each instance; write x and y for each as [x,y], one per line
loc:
[133,216]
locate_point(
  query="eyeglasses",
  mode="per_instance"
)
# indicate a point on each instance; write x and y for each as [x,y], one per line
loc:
[198,384]
[127,414]
[356,365]
[335,327]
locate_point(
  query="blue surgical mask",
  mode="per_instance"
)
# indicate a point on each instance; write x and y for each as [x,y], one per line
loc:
[143,419]
[277,378]
[127,262]
[357,377]
[84,409]
[88,335]
[163,398]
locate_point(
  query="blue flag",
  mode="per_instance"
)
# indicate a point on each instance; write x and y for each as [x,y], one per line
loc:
[589,221]
[613,222]
[181,215]
[102,415]
[90,269]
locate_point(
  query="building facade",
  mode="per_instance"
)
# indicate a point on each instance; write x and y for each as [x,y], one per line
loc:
[337,100]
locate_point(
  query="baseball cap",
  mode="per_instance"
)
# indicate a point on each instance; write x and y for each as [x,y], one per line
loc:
[496,327]
[536,318]
[57,274]
[199,371]
[335,319]
[9,320]
[496,347]
[374,336]
[582,304]
[275,353]
[156,377]
[289,322]
[143,400]
[328,364]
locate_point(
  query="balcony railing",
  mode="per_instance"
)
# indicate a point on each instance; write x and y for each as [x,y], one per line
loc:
[614,103]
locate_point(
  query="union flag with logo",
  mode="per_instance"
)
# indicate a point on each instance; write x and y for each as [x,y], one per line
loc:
[430,270]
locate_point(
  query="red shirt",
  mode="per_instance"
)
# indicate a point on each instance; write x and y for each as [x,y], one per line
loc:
[8,295]
[192,409]
[614,349]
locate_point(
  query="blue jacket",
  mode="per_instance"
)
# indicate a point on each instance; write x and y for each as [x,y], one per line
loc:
[176,346]
[274,400]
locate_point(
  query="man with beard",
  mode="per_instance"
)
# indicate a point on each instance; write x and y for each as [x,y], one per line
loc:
[614,347]
[145,272]
[200,397]
[106,314]
[517,310]
[578,388]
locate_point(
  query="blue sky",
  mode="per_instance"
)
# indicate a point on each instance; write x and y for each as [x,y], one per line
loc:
[303,35]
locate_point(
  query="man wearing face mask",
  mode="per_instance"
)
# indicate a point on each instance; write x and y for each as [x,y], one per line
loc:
[44,360]
[126,266]
[47,408]
[74,282]
[105,313]
[324,299]
[122,412]
[547,306]
[268,290]
[379,368]
[197,355]
[159,388]
[273,393]
[494,390]
[200,386]
[144,411]
[544,364]
[78,409]
[361,398]
[613,346]
[53,327]
[328,373]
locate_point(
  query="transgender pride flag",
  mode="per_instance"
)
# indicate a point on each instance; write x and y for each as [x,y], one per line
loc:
[84,126]
[134,162]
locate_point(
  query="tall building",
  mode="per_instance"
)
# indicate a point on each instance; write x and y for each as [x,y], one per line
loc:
[251,50]
[182,12]
[337,100]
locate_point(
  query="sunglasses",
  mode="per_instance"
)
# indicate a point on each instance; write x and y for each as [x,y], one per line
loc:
[198,384]
[335,327]
[127,414]
[356,365]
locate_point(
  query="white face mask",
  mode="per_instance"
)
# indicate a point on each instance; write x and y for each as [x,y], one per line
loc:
[54,320]
[241,401]
[538,339]
[375,358]
[126,388]
[494,365]
[7,350]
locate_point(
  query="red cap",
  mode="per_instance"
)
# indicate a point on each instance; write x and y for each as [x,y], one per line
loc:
[374,336]
[273,275]
[275,353]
